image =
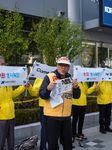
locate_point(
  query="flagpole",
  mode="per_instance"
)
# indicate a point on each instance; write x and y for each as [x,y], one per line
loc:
[27,79]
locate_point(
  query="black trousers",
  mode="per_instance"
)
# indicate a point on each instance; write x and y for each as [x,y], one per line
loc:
[104,115]
[43,133]
[78,116]
[7,132]
[55,128]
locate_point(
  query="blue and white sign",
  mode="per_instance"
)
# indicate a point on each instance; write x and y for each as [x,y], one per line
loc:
[40,70]
[108,75]
[92,74]
[88,74]
[107,12]
[12,76]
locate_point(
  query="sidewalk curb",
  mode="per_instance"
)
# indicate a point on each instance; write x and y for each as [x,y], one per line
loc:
[25,131]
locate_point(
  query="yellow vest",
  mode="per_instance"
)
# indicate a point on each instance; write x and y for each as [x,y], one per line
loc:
[62,110]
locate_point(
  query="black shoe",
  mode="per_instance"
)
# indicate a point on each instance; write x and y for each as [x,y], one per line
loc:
[43,148]
[103,131]
[108,129]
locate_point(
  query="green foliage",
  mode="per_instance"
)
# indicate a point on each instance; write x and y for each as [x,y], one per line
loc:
[92,106]
[11,37]
[56,38]
[26,116]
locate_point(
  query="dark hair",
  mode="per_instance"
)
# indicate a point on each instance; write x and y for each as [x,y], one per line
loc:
[1,57]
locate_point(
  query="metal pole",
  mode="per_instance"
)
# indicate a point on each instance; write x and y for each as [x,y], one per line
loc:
[108,56]
[27,79]
[96,58]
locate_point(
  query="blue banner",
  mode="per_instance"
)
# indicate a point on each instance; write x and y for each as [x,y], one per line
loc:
[107,12]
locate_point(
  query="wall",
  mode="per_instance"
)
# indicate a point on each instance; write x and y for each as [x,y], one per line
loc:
[35,7]
[90,10]
[99,36]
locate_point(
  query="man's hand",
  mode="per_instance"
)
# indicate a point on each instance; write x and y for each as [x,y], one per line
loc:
[51,86]
[96,86]
[27,85]
[75,84]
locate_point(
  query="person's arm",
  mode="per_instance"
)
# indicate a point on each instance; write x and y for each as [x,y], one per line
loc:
[34,90]
[76,89]
[89,90]
[18,91]
[43,92]
[76,93]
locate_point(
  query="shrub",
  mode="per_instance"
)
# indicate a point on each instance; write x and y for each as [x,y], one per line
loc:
[92,106]
[26,116]
[28,112]
[24,105]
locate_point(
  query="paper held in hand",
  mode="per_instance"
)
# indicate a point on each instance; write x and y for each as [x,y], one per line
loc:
[61,87]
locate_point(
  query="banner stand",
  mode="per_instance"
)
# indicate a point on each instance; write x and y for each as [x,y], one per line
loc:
[27,79]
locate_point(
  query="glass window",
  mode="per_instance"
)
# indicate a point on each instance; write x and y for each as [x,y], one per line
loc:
[88,56]
[110,58]
[102,56]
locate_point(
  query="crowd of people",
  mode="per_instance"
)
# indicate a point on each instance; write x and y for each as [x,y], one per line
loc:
[56,121]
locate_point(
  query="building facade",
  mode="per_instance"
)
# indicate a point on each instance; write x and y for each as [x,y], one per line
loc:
[93,15]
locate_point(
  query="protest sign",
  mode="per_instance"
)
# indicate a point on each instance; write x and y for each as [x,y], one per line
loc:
[12,76]
[88,74]
[40,70]
[108,74]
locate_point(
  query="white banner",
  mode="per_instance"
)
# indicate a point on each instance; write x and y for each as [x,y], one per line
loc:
[92,74]
[40,70]
[12,76]
[108,75]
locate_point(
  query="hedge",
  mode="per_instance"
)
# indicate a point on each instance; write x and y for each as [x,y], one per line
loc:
[92,106]
[26,116]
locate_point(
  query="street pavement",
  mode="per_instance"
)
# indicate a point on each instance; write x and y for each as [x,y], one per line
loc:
[95,140]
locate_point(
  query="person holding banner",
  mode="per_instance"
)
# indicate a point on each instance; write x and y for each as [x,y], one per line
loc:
[58,115]
[7,112]
[104,100]
[34,91]
[79,110]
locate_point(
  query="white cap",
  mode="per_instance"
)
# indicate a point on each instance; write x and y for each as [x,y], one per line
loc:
[63,60]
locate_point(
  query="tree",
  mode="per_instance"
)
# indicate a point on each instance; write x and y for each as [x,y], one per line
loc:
[56,38]
[11,37]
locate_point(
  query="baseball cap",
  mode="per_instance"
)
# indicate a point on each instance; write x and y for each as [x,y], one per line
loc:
[63,60]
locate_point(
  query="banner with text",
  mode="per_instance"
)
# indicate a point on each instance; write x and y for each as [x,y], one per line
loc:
[12,76]
[40,70]
[92,74]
